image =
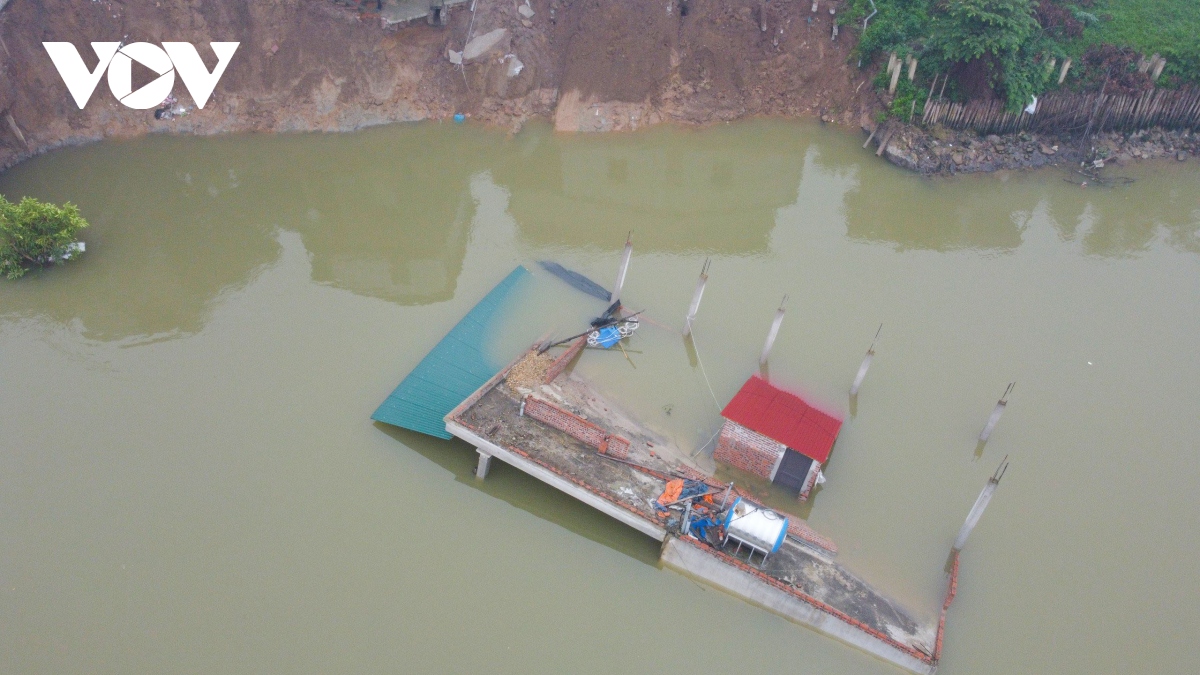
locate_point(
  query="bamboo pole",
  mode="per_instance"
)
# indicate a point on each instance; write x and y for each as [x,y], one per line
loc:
[12,124]
[883,142]
[620,283]
[773,334]
[980,504]
[928,101]
[870,136]
[696,296]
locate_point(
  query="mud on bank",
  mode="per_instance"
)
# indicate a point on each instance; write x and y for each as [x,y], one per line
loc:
[306,65]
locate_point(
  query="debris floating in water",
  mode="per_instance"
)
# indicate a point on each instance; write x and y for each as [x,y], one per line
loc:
[611,334]
[576,280]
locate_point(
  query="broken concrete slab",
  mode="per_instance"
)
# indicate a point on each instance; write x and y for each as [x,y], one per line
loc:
[515,65]
[396,12]
[482,44]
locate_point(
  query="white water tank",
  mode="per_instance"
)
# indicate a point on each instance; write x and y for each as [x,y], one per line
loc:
[755,526]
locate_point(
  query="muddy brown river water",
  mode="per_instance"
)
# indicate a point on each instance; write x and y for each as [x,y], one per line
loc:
[190,482]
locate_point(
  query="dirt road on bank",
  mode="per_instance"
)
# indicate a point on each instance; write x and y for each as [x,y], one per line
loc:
[590,65]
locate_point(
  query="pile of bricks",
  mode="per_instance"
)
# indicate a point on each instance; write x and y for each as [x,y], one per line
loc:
[575,426]
[748,450]
[560,364]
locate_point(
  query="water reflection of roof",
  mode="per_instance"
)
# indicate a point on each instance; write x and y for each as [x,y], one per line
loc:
[783,417]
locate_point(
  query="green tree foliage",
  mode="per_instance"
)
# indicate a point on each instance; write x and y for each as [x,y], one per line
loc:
[898,26]
[963,30]
[1167,27]
[1012,40]
[33,233]
[1004,33]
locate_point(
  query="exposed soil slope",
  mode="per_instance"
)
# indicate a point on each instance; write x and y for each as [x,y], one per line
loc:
[313,65]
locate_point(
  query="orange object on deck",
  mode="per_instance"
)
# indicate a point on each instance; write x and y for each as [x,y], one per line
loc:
[671,492]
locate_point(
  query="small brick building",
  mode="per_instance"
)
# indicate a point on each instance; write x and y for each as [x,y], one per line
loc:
[777,435]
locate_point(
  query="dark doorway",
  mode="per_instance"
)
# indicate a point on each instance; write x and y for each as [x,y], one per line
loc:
[793,470]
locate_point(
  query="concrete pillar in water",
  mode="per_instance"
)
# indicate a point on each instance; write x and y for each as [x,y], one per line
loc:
[485,463]
[995,418]
[862,370]
[620,283]
[695,306]
[773,334]
[980,504]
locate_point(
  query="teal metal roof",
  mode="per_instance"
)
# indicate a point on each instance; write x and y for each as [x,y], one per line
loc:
[453,370]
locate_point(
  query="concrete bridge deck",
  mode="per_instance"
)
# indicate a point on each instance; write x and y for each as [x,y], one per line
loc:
[799,584]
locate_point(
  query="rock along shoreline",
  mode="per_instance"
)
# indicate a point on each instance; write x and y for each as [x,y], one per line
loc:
[942,151]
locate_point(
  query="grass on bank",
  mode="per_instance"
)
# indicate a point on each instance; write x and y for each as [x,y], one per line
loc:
[1170,28]
[1008,45]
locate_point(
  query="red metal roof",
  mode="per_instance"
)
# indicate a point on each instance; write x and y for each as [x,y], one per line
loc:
[783,417]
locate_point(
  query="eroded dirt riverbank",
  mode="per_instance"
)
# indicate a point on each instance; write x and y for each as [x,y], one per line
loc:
[313,65]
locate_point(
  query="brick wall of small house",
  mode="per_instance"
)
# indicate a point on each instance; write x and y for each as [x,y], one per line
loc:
[575,426]
[810,481]
[747,450]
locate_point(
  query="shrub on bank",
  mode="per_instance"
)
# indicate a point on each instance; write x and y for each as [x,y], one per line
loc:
[1010,48]
[34,233]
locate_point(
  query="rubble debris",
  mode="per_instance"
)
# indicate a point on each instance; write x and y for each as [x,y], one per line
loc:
[482,44]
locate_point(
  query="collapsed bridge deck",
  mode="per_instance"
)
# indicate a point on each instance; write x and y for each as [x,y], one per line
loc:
[798,582]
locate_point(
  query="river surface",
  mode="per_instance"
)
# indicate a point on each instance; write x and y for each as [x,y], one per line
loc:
[190,481]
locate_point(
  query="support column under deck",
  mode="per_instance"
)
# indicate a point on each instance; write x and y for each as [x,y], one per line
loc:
[485,463]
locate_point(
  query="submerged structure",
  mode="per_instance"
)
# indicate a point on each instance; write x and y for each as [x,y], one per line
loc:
[537,416]
[776,435]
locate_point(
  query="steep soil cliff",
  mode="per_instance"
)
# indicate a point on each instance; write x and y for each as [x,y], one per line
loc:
[315,65]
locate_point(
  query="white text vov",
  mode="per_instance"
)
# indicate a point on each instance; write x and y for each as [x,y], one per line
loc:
[117,59]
